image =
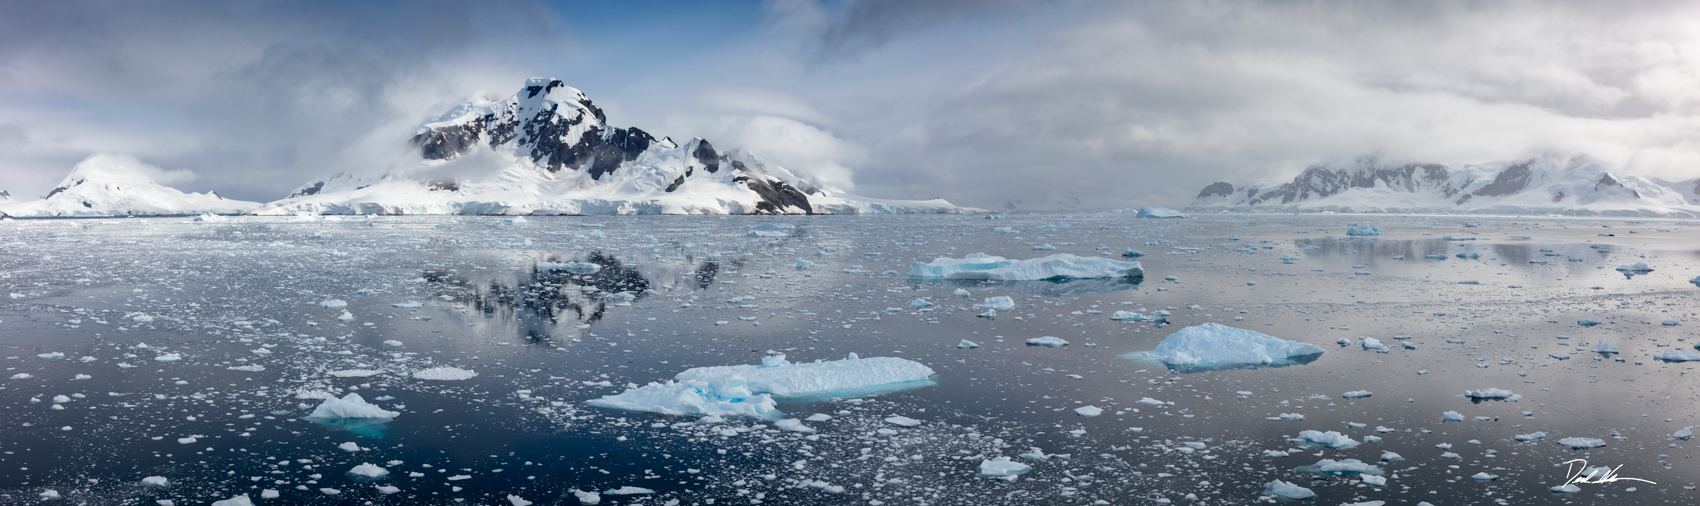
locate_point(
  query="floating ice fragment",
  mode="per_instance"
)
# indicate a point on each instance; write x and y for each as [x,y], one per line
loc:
[1159,212]
[1566,489]
[445,373]
[52,356]
[1678,356]
[348,407]
[1285,490]
[1058,266]
[1581,443]
[169,357]
[961,293]
[1216,346]
[1364,230]
[393,343]
[1047,341]
[517,500]
[1488,393]
[1484,476]
[1451,416]
[628,490]
[1088,411]
[1342,467]
[967,344]
[156,481]
[572,267]
[587,498]
[803,265]
[241,500]
[1133,253]
[1000,467]
[793,425]
[999,303]
[1331,439]
[1373,344]
[1684,433]
[369,470]
[903,421]
[920,303]
[1535,436]
[1127,316]
[412,304]
[333,304]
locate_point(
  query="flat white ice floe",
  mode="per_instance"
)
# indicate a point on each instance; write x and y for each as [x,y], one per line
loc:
[1678,356]
[1159,212]
[1002,467]
[1088,411]
[1216,346]
[1047,341]
[445,373]
[1347,466]
[747,390]
[241,500]
[1058,266]
[1582,443]
[349,406]
[1489,393]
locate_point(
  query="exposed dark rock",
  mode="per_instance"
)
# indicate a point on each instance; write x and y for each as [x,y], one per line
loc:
[1318,181]
[446,142]
[704,153]
[775,194]
[443,185]
[676,184]
[1511,180]
[310,190]
[1217,189]
[56,191]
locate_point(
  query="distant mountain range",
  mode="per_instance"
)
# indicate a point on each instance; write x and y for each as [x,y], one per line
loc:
[547,149]
[1548,183]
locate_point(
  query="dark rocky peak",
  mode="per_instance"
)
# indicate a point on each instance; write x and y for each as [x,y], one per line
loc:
[1511,180]
[1217,189]
[705,155]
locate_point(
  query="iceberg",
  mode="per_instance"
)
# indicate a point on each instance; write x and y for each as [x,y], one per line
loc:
[1000,303]
[1489,393]
[1347,466]
[1001,467]
[1054,267]
[1286,490]
[748,390]
[729,396]
[1363,231]
[350,406]
[445,373]
[1159,212]
[1047,341]
[1582,443]
[368,470]
[1678,356]
[1331,439]
[1213,346]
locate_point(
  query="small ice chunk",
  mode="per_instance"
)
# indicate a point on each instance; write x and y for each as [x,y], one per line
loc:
[333,304]
[1566,489]
[156,481]
[1488,393]
[999,303]
[1088,411]
[1684,433]
[1047,341]
[348,407]
[369,470]
[803,265]
[169,357]
[628,490]
[1356,394]
[1678,356]
[1581,443]
[1534,436]
[1364,230]
[1285,490]
[1373,344]
[1373,481]
[1331,439]
[1001,467]
[1159,212]
[241,500]
[961,293]
[349,447]
[517,500]
[920,303]
[818,417]
[967,344]
[445,373]
[587,498]
[1484,476]
[1451,416]
[793,425]
[903,421]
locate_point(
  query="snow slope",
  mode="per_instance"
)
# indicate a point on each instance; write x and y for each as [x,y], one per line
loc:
[116,185]
[548,149]
[1548,183]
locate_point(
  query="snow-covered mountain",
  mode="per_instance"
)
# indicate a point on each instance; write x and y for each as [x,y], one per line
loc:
[1548,183]
[116,185]
[549,150]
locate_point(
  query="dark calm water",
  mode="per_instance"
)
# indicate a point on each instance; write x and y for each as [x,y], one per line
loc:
[115,296]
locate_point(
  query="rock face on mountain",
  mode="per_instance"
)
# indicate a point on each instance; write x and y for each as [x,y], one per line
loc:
[114,185]
[548,149]
[1549,183]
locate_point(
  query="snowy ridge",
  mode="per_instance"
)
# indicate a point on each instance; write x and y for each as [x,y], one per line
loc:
[1548,183]
[548,149]
[115,185]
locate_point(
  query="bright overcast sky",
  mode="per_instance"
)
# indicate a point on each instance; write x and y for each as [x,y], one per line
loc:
[1048,104]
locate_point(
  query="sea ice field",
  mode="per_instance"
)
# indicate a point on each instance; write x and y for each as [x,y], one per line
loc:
[1078,359]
